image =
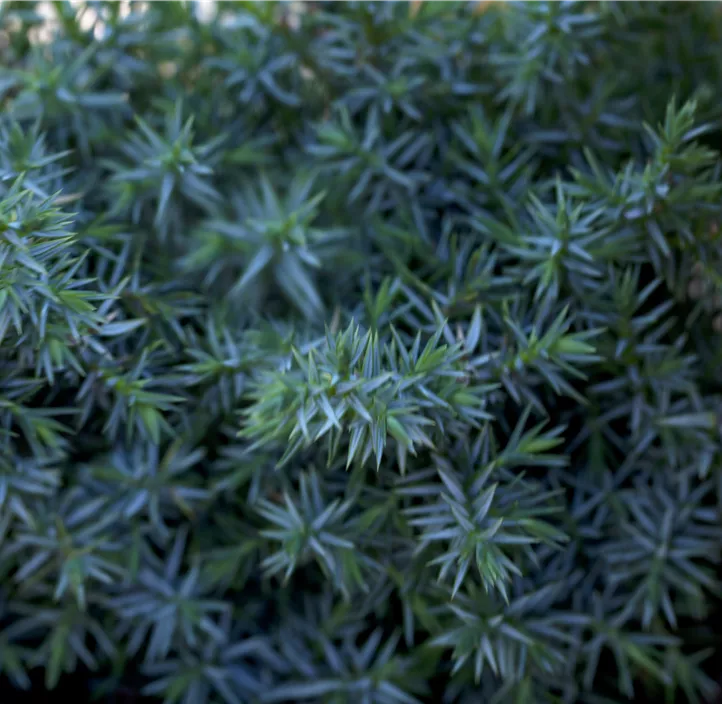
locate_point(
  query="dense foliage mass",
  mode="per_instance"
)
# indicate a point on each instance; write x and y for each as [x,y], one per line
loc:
[368,353]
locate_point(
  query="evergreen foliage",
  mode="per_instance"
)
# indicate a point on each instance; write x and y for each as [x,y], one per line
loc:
[370,353]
